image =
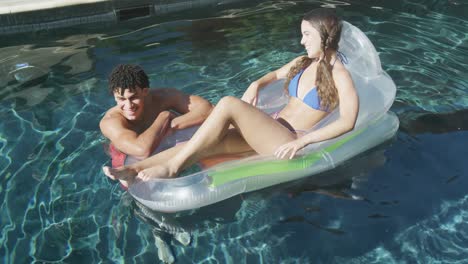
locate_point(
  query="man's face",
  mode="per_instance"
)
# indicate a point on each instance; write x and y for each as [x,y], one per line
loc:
[131,103]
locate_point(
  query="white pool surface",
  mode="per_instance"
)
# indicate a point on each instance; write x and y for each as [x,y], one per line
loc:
[19,6]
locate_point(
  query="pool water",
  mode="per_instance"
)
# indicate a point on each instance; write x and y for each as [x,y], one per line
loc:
[405,201]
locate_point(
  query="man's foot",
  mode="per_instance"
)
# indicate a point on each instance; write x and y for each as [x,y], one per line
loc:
[183,237]
[121,173]
[107,172]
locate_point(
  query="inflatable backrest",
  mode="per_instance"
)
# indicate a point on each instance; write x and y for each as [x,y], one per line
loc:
[375,88]
[361,55]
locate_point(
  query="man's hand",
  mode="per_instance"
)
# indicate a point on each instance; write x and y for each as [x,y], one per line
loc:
[193,109]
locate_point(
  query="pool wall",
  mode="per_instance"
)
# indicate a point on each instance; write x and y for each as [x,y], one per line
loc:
[22,16]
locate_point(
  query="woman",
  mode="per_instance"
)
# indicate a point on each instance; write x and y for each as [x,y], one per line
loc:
[316,83]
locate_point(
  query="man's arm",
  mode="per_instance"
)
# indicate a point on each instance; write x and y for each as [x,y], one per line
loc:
[117,130]
[194,109]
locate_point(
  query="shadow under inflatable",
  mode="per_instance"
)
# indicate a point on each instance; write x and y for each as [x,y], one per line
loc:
[436,123]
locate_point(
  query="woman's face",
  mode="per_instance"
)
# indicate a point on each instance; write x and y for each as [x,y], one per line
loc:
[310,40]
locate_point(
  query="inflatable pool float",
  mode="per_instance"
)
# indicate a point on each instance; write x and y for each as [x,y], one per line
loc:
[24,72]
[374,125]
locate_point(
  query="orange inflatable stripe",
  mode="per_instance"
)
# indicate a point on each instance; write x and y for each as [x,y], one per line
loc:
[210,162]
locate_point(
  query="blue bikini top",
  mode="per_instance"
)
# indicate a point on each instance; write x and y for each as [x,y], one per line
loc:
[312,98]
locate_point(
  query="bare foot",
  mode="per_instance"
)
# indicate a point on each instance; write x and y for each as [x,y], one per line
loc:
[106,170]
[121,173]
[160,171]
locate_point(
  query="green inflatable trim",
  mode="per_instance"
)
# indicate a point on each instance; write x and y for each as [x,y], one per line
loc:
[273,166]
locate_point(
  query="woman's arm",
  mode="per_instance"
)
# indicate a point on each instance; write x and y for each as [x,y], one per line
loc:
[251,94]
[348,107]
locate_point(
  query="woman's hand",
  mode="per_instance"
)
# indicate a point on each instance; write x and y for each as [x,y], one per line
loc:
[290,149]
[251,94]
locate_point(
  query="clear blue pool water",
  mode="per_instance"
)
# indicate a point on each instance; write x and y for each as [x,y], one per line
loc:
[403,202]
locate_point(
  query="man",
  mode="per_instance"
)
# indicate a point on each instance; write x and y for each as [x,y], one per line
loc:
[141,118]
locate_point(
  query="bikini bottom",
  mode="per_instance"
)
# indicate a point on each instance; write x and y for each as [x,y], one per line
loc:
[298,132]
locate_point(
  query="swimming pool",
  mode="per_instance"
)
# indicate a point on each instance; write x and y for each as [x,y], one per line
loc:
[403,202]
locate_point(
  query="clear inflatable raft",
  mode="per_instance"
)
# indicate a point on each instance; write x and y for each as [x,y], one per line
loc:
[374,125]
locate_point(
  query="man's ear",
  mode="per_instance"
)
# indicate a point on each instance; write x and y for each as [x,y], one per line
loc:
[145,91]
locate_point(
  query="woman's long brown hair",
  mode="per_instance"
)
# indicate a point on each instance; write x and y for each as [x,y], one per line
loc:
[325,21]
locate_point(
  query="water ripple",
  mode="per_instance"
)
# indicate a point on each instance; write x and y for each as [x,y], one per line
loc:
[440,239]
[428,52]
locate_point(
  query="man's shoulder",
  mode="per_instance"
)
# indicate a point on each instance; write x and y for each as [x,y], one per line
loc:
[163,91]
[112,116]
[112,112]
[165,97]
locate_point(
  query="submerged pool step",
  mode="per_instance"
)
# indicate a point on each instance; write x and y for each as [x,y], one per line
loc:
[18,16]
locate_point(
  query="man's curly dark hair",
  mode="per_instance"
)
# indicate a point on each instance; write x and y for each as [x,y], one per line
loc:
[127,76]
